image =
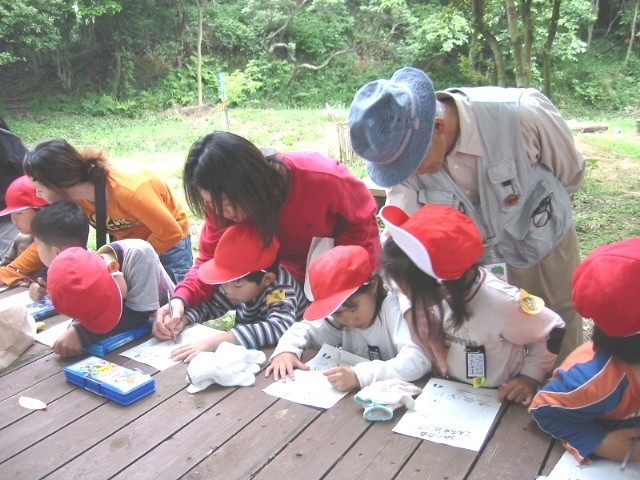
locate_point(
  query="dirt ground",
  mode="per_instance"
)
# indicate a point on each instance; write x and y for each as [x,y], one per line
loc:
[612,166]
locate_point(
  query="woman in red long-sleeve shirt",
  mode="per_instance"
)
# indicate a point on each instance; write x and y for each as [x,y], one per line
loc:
[294,196]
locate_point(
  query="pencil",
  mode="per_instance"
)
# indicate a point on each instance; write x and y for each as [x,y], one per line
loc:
[22,274]
[339,354]
[627,457]
[173,329]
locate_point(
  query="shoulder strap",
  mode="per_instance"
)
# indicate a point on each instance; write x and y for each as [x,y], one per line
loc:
[101,214]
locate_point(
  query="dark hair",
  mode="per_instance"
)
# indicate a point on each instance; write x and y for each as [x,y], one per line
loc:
[57,165]
[381,293]
[256,277]
[625,349]
[224,163]
[424,290]
[61,224]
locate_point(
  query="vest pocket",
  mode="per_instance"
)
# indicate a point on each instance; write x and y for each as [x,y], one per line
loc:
[438,196]
[538,225]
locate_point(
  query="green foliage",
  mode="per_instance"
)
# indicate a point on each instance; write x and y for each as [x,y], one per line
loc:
[27,26]
[598,82]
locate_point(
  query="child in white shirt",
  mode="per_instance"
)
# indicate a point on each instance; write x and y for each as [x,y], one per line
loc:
[351,309]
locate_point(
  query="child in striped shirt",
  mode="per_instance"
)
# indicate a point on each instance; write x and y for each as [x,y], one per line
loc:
[266,298]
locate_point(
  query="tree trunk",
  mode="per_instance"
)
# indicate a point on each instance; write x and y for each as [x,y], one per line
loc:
[632,36]
[117,75]
[477,7]
[199,51]
[548,44]
[595,7]
[521,43]
[527,25]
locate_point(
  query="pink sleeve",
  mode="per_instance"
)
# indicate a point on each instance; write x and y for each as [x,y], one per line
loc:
[192,290]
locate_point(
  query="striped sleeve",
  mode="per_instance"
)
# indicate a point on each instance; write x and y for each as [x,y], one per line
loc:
[215,307]
[280,305]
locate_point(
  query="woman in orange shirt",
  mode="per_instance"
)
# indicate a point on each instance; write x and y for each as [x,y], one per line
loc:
[139,204]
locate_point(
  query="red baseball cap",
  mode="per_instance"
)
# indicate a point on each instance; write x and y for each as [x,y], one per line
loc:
[604,288]
[81,286]
[20,195]
[334,276]
[240,251]
[442,242]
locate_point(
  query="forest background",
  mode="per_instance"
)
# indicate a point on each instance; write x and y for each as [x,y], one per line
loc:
[141,78]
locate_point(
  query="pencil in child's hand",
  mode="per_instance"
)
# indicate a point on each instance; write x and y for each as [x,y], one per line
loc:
[339,354]
[173,329]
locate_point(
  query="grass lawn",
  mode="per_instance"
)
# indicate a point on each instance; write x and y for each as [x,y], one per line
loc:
[607,208]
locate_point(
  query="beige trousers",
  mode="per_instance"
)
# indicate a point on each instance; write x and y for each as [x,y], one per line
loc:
[551,280]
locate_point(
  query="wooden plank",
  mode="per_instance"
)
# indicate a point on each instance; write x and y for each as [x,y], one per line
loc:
[437,461]
[29,375]
[142,435]
[320,445]
[252,447]
[228,411]
[556,451]
[69,426]
[160,424]
[378,454]
[515,451]
[18,437]
[48,391]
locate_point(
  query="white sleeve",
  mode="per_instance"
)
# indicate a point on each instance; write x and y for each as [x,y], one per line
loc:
[410,362]
[306,334]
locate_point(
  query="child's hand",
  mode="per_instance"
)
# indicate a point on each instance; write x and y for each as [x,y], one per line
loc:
[187,352]
[164,324]
[615,445]
[210,344]
[342,379]
[38,290]
[520,389]
[68,344]
[282,366]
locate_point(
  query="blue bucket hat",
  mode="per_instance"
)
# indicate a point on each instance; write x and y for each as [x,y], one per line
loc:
[390,124]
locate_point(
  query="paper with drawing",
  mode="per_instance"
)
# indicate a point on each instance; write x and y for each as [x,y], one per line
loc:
[452,413]
[155,352]
[569,469]
[312,387]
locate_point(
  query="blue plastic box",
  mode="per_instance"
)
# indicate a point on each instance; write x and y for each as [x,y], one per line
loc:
[113,342]
[114,382]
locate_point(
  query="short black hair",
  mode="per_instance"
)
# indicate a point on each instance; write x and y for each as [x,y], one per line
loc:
[63,224]
[256,277]
[625,349]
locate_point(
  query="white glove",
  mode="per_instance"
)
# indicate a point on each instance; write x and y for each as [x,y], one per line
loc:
[381,398]
[228,366]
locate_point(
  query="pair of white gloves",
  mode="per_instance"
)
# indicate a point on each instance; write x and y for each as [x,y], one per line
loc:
[230,365]
[381,398]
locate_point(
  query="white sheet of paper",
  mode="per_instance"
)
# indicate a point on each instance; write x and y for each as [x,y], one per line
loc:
[312,387]
[22,297]
[327,357]
[569,469]
[452,413]
[155,352]
[50,334]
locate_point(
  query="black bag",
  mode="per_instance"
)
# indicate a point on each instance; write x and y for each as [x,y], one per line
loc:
[12,152]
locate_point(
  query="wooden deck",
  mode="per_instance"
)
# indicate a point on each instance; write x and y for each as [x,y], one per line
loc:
[230,433]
